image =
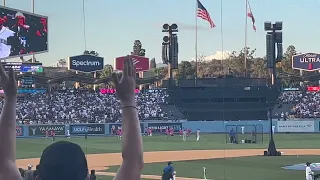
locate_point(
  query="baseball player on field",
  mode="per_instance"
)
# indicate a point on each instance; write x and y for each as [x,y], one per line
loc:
[5,49]
[198,134]
[184,135]
[309,172]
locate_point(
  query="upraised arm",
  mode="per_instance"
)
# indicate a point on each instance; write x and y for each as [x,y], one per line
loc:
[8,169]
[132,151]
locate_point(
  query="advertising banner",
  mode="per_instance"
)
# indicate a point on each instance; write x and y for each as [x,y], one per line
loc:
[40,130]
[295,126]
[117,126]
[89,128]
[85,63]
[113,91]
[19,130]
[23,33]
[23,67]
[141,63]
[306,62]
[161,127]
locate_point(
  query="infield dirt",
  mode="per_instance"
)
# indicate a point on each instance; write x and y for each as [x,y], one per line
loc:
[101,162]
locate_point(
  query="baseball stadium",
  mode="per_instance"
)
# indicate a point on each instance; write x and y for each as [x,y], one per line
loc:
[241,116]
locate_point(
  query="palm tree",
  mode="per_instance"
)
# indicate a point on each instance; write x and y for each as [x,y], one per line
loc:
[62,63]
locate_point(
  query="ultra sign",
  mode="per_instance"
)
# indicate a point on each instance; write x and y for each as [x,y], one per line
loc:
[85,63]
[306,62]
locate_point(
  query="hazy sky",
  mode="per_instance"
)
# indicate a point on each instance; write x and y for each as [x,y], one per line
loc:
[113,25]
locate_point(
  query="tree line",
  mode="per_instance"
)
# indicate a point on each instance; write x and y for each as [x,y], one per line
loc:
[256,67]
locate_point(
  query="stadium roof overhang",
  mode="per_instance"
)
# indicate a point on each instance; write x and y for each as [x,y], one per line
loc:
[82,79]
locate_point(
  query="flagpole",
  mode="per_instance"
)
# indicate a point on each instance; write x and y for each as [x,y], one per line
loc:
[221,24]
[196,45]
[245,40]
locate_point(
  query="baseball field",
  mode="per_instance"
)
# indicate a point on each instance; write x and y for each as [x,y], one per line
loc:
[222,161]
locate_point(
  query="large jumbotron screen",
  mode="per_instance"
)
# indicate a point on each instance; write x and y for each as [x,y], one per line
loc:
[22,33]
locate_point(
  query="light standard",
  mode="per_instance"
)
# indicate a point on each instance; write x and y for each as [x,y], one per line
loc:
[273,40]
[170,48]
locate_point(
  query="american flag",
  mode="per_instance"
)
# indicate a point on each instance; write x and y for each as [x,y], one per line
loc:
[250,15]
[204,14]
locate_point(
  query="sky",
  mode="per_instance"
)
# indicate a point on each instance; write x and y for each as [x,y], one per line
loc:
[113,25]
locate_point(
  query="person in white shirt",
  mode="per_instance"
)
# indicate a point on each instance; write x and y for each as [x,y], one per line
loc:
[184,135]
[68,133]
[309,172]
[242,129]
[5,32]
[198,134]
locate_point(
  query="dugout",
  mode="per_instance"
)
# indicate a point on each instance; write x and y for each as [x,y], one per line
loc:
[245,133]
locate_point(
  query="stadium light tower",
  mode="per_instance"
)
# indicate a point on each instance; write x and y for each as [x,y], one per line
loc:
[170,48]
[273,41]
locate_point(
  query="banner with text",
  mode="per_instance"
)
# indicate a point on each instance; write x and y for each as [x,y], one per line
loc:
[161,127]
[19,130]
[40,130]
[116,126]
[295,126]
[89,128]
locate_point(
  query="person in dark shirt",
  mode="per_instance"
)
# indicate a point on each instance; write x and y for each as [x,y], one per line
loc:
[168,172]
[232,135]
[36,172]
[93,175]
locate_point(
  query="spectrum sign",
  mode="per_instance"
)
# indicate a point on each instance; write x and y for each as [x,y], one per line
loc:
[306,62]
[85,63]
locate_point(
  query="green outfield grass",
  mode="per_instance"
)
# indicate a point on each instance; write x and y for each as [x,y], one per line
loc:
[244,168]
[28,148]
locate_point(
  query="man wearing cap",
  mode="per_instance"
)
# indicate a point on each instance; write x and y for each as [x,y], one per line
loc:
[309,173]
[5,48]
[29,173]
[168,171]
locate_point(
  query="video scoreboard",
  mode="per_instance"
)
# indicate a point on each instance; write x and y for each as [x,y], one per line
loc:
[23,67]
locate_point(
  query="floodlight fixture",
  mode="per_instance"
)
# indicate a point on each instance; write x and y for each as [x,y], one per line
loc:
[277,26]
[174,27]
[268,26]
[165,39]
[165,28]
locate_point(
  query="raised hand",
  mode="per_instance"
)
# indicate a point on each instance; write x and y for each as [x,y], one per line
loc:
[8,83]
[125,85]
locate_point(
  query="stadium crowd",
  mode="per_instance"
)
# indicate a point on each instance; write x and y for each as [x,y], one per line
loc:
[71,106]
[304,104]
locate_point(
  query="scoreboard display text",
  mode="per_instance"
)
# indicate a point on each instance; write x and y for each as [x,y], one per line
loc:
[23,67]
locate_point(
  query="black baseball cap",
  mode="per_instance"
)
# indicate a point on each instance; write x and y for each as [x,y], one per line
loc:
[169,163]
[308,163]
[63,160]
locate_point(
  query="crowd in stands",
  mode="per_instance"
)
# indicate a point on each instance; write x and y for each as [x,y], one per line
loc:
[72,106]
[304,104]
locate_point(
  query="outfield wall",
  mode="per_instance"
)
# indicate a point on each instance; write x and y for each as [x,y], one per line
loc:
[296,126]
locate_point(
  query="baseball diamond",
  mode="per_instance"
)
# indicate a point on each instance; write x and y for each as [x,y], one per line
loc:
[189,157]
